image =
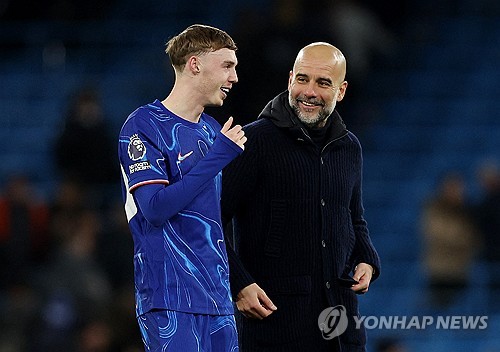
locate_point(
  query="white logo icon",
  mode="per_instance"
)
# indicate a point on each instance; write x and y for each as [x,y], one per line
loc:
[136,149]
[182,157]
[332,322]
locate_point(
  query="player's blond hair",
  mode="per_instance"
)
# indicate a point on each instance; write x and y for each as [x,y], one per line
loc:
[196,40]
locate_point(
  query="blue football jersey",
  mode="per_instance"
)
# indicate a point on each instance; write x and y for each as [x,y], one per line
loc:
[182,264]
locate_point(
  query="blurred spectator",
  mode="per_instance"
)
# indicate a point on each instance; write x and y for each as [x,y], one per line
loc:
[85,149]
[96,336]
[361,35]
[487,213]
[114,252]
[69,200]
[487,216]
[24,247]
[450,240]
[115,248]
[24,225]
[110,334]
[73,287]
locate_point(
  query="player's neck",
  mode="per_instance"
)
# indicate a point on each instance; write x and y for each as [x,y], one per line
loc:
[183,105]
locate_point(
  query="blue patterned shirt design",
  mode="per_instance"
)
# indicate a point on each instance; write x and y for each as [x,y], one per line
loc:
[182,264]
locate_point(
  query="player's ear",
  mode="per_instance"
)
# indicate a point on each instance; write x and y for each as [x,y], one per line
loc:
[193,65]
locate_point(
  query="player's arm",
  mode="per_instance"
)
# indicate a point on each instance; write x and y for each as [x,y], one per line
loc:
[159,203]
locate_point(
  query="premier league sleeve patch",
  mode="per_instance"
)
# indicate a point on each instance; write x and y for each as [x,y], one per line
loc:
[136,151]
[136,148]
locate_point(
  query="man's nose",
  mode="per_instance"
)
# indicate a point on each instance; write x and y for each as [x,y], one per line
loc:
[310,89]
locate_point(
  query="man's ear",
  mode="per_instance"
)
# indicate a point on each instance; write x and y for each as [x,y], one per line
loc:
[342,90]
[290,79]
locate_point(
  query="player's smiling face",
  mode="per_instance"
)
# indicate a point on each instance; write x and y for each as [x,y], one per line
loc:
[217,75]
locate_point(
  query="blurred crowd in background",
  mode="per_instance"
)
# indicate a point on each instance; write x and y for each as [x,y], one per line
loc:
[66,275]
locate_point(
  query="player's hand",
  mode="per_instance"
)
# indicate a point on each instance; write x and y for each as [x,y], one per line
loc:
[235,133]
[363,274]
[253,302]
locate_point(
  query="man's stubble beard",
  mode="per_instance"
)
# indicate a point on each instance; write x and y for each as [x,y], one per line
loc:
[315,122]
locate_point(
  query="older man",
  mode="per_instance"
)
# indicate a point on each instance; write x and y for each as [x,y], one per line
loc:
[295,198]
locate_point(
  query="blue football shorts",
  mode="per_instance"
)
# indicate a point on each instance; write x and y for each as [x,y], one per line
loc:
[167,330]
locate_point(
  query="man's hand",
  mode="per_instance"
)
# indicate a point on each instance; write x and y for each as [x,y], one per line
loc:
[235,133]
[363,274]
[253,302]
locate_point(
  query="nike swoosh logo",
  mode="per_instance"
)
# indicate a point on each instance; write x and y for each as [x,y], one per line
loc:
[182,157]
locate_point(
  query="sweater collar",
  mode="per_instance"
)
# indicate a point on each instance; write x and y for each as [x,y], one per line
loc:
[279,112]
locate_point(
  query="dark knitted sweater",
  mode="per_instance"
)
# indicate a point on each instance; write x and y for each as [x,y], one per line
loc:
[298,226]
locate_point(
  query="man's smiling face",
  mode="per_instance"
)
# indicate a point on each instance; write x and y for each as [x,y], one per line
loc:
[316,85]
